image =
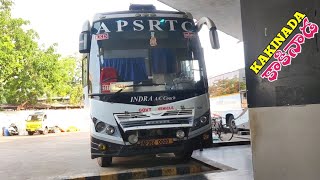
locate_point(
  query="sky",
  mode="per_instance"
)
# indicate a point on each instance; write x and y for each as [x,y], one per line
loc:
[60,21]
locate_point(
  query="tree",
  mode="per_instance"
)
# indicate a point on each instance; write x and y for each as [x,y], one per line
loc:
[76,94]
[28,71]
[16,45]
[226,86]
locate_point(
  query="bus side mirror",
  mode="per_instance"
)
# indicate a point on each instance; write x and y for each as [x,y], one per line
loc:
[214,40]
[84,42]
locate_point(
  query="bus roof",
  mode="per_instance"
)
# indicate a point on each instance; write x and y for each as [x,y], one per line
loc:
[138,13]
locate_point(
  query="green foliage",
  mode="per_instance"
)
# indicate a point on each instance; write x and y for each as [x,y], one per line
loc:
[28,71]
[76,95]
[5,4]
[226,86]
[243,86]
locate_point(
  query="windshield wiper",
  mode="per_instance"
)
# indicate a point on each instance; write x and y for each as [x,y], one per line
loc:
[104,95]
[115,94]
[146,84]
[119,91]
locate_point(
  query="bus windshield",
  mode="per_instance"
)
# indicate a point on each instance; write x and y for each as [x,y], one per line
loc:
[33,118]
[168,60]
[159,66]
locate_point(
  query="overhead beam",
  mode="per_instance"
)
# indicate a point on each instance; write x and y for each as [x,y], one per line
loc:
[226,14]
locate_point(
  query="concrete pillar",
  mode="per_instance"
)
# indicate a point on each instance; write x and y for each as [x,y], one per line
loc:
[284,114]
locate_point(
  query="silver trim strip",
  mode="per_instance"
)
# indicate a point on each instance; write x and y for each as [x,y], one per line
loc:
[152,118]
[94,143]
[157,126]
[107,16]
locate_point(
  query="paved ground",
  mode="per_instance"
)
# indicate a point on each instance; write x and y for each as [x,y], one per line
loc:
[61,118]
[44,157]
[68,154]
[235,160]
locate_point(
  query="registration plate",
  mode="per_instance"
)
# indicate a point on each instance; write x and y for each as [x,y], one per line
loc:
[155,142]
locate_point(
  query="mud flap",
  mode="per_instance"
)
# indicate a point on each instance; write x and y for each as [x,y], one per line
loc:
[207,141]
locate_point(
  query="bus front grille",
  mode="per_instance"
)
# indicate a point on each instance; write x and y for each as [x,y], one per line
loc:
[178,112]
[126,124]
[155,119]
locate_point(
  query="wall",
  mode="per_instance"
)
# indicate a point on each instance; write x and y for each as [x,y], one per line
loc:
[285,142]
[284,114]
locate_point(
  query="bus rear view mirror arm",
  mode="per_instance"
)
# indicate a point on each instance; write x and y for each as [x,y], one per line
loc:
[214,39]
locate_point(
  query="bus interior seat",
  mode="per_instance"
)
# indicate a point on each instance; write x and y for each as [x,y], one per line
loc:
[109,74]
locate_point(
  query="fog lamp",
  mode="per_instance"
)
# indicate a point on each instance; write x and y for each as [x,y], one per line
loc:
[102,147]
[133,139]
[205,136]
[180,134]
[110,130]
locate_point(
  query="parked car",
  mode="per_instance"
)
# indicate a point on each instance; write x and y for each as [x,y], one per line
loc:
[38,122]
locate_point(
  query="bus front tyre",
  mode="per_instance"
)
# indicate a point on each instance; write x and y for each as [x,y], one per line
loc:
[30,133]
[184,155]
[104,161]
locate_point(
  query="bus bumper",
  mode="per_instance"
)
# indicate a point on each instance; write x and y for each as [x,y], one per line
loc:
[203,140]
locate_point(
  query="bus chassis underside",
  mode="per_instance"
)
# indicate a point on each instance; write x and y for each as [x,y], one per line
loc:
[101,148]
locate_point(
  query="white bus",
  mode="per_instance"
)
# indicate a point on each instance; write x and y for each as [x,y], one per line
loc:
[145,83]
[232,108]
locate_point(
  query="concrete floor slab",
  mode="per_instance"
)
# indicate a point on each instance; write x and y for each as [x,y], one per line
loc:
[55,156]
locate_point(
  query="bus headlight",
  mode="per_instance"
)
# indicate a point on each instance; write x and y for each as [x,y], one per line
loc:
[201,122]
[203,119]
[100,126]
[133,139]
[180,134]
[110,130]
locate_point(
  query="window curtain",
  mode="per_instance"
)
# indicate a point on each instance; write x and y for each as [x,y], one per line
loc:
[163,60]
[129,69]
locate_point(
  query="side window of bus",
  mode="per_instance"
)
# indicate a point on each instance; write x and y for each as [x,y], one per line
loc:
[85,71]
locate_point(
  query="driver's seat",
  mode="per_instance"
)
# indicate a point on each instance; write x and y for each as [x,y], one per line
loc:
[108,74]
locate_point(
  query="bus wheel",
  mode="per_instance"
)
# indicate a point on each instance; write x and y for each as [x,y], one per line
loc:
[30,133]
[184,155]
[229,119]
[234,126]
[104,161]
